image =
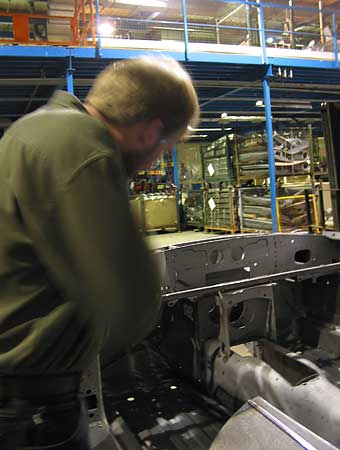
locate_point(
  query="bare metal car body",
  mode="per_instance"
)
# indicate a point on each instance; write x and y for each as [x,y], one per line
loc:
[254,321]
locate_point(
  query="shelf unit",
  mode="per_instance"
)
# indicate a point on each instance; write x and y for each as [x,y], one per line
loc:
[219,195]
[33,71]
[191,185]
[251,156]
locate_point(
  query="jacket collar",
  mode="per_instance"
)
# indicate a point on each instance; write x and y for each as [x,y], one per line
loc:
[65,100]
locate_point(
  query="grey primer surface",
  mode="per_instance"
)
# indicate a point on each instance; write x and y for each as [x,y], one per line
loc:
[216,296]
[264,427]
[243,317]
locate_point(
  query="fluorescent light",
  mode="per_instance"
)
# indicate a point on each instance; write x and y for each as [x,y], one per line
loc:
[204,129]
[228,129]
[106,29]
[198,136]
[283,103]
[152,3]
[172,28]
[224,115]
[153,15]
[244,119]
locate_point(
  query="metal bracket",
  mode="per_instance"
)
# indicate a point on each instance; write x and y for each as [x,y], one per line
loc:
[334,235]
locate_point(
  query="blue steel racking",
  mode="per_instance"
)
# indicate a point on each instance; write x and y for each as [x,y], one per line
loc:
[199,61]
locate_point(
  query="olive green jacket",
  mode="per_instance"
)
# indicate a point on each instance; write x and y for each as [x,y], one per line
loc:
[74,273]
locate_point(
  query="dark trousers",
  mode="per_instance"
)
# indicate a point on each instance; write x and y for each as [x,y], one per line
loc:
[57,422]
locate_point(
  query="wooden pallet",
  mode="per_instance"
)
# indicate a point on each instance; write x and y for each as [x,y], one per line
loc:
[224,230]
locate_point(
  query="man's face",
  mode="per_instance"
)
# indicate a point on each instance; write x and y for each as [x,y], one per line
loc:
[142,158]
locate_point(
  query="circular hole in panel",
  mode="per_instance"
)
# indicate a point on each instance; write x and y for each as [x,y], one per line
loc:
[216,257]
[303,256]
[236,312]
[214,314]
[237,253]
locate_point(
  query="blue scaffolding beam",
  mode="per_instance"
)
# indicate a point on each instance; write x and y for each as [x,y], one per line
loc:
[263,56]
[69,77]
[186,30]
[270,146]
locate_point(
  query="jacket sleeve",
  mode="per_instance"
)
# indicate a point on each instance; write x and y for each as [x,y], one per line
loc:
[95,253]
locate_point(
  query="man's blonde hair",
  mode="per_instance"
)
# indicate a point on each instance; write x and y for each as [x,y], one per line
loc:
[133,90]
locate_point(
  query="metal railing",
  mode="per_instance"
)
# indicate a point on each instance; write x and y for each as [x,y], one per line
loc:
[262,25]
[74,29]
[258,29]
[297,212]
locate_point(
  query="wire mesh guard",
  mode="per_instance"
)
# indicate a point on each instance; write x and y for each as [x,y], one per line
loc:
[296,210]
[242,24]
[292,151]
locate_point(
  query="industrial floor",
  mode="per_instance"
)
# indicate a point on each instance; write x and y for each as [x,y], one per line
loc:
[162,410]
[162,240]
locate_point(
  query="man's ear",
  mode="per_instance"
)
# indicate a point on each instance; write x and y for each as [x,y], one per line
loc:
[151,132]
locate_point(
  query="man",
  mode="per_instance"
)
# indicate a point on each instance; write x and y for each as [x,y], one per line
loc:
[75,274]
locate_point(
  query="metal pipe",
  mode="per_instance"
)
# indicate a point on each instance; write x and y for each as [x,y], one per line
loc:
[222,96]
[275,5]
[262,34]
[322,35]
[308,211]
[218,37]
[322,207]
[234,11]
[250,282]
[249,40]
[69,77]
[35,90]
[175,162]
[291,23]
[335,37]
[99,39]
[270,147]
[186,31]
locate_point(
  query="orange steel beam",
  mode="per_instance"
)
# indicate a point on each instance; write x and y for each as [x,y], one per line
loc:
[92,23]
[75,23]
[83,20]
[31,41]
[21,28]
[35,16]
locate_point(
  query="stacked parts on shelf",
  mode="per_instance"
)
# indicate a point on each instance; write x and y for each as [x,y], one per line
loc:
[292,154]
[253,156]
[219,209]
[192,204]
[217,162]
[190,184]
[255,209]
[293,211]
